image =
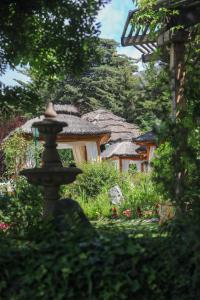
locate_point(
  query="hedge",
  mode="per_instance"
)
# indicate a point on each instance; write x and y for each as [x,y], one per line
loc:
[105,266]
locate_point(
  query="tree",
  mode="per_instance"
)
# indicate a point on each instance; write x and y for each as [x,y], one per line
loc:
[152,103]
[104,84]
[113,84]
[52,36]
[180,177]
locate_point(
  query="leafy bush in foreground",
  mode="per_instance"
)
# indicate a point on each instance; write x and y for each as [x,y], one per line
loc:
[108,266]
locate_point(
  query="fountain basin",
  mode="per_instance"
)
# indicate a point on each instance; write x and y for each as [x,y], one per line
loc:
[52,175]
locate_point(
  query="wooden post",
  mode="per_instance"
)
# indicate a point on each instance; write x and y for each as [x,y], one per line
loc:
[177,70]
[99,151]
[85,149]
[120,164]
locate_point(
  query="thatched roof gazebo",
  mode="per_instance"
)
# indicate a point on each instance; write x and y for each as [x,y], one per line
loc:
[147,141]
[146,138]
[123,154]
[83,137]
[120,147]
[119,128]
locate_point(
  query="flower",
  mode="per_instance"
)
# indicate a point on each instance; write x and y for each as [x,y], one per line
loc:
[4,226]
[127,213]
[114,213]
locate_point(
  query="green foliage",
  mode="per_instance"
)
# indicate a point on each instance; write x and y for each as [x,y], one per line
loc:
[113,84]
[15,150]
[53,37]
[95,178]
[140,191]
[107,83]
[155,14]
[20,100]
[153,105]
[177,167]
[66,156]
[22,209]
[163,168]
[96,208]
[107,266]
[91,190]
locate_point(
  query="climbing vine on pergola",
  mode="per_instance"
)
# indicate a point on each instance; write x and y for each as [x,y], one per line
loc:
[174,26]
[164,27]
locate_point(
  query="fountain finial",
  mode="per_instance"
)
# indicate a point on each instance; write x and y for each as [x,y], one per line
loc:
[50,112]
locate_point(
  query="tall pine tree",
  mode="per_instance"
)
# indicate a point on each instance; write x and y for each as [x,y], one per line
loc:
[112,83]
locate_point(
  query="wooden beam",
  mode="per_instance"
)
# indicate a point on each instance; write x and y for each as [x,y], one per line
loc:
[139,157]
[168,37]
[145,143]
[86,159]
[148,151]
[99,150]
[120,164]
[177,70]
[75,138]
[139,40]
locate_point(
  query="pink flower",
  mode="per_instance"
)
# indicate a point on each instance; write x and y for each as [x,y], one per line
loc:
[127,213]
[4,226]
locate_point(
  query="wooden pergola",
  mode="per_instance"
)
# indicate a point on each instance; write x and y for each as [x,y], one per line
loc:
[172,43]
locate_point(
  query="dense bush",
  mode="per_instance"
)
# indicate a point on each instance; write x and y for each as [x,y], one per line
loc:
[91,190]
[140,191]
[107,266]
[17,152]
[95,178]
[23,208]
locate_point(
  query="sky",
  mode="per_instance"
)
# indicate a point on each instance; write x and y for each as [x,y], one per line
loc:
[112,19]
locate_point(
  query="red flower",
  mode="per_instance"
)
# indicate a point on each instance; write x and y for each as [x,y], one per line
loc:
[127,213]
[4,226]
[114,213]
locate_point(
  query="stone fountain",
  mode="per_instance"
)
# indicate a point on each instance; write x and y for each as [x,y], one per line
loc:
[52,174]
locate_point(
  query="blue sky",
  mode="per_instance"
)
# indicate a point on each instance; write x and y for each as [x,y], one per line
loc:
[112,19]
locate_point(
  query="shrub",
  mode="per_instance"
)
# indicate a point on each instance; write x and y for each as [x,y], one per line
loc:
[99,207]
[106,267]
[91,190]
[66,156]
[23,208]
[140,191]
[95,178]
[17,151]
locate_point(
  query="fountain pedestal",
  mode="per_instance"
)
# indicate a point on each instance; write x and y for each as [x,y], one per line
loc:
[52,174]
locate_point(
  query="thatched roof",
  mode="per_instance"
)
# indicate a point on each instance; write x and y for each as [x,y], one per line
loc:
[66,109]
[141,149]
[122,149]
[76,125]
[119,128]
[148,137]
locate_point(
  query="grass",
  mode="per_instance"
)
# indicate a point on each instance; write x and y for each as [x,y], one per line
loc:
[135,227]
